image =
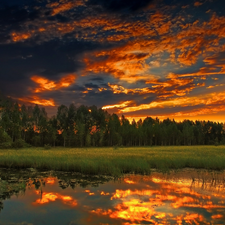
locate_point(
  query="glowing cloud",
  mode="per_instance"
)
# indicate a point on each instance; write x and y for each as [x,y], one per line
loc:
[207,99]
[198,4]
[137,53]
[37,100]
[121,105]
[49,85]
[20,36]
[64,6]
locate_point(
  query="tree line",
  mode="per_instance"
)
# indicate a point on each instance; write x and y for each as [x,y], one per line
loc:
[84,126]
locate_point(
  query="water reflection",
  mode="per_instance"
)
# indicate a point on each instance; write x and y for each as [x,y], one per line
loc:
[184,197]
[48,197]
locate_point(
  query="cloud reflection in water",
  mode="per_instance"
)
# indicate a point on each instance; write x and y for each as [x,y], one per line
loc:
[175,198]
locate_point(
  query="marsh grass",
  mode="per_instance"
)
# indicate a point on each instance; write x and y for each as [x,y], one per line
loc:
[96,161]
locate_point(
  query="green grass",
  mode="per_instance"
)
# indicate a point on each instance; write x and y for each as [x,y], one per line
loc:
[111,161]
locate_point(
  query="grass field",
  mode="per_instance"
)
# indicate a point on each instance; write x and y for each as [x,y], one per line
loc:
[116,161]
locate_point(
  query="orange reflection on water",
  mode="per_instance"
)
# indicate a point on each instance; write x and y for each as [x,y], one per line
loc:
[195,217]
[131,211]
[136,210]
[103,193]
[50,180]
[123,194]
[51,197]
[218,216]
[126,180]
[89,192]
[182,202]
[162,202]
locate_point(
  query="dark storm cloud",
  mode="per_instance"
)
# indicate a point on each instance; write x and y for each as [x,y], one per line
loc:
[17,88]
[16,2]
[99,79]
[62,19]
[20,61]
[78,47]
[48,59]
[13,15]
[146,100]
[119,6]
[103,98]
[45,59]
[91,85]
[76,88]
[58,18]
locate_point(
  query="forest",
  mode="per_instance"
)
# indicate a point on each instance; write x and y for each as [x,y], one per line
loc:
[83,126]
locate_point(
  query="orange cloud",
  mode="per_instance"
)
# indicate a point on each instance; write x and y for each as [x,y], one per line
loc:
[124,65]
[209,103]
[193,41]
[207,99]
[202,111]
[200,73]
[217,85]
[37,100]
[45,84]
[128,62]
[190,42]
[62,6]
[121,105]
[185,6]
[89,89]
[49,85]
[66,81]
[65,28]
[210,113]
[197,4]
[20,36]
[173,85]
[145,42]
[215,62]
[102,89]
[118,89]
[41,29]
[163,89]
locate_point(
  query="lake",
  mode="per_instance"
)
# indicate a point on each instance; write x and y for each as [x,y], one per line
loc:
[188,196]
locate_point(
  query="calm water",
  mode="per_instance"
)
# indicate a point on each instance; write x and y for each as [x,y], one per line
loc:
[185,197]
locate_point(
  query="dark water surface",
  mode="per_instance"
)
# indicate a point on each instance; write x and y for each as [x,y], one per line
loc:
[181,197]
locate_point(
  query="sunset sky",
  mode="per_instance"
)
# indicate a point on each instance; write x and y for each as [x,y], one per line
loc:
[162,58]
